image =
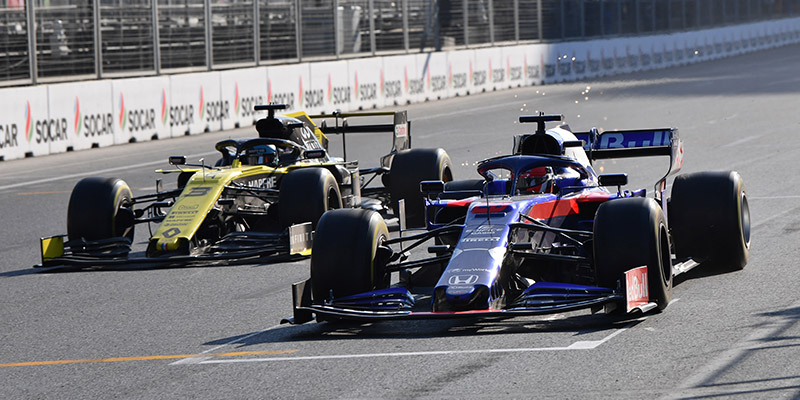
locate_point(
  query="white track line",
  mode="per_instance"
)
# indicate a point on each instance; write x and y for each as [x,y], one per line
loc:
[579,345]
[197,360]
[94,172]
[741,141]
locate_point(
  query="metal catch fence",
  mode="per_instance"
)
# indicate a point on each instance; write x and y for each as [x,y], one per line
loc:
[78,39]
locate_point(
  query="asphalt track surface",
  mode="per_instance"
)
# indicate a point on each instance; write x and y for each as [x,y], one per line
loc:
[212,332]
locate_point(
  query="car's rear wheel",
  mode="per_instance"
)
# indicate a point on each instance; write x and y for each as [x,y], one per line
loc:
[344,256]
[710,219]
[100,208]
[305,194]
[630,233]
[409,168]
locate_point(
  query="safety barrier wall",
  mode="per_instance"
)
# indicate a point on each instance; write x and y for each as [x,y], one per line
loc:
[48,119]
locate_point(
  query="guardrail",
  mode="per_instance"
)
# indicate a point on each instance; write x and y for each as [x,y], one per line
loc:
[119,38]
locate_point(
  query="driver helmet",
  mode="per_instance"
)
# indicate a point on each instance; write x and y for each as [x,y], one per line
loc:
[536,180]
[264,154]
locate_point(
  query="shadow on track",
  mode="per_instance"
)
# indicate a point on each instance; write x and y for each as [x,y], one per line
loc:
[575,323]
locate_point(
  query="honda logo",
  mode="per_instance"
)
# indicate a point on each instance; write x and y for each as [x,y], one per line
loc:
[463,279]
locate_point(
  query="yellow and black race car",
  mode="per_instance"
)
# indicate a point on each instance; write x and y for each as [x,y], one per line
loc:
[263,197]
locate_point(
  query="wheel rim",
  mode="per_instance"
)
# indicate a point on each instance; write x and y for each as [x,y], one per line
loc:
[744,217]
[333,200]
[666,257]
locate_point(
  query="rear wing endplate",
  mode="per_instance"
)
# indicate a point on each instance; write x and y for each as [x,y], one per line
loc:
[635,143]
[400,129]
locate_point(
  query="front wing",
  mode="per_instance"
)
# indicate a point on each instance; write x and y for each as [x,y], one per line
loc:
[398,304]
[234,247]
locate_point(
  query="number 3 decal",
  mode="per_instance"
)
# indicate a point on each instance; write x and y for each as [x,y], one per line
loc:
[198,191]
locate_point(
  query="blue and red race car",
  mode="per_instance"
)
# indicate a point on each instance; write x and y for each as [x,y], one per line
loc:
[540,232]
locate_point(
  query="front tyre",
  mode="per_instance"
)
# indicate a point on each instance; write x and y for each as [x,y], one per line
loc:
[409,168]
[343,258]
[100,208]
[629,233]
[710,219]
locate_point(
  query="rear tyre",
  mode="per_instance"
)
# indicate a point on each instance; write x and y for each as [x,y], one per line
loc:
[343,258]
[100,208]
[710,219]
[409,168]
[629,233]
[305,194]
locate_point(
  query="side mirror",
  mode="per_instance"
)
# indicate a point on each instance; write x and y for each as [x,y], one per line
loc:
[177,160]
[613,179]
[295,125]
[314,153]
[574,143]
[431,188]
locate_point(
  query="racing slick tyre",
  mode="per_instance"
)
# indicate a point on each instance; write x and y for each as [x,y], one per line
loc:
[409,168]
[629,233]
[710,219]
[305,194]
[343,257]
[100,208]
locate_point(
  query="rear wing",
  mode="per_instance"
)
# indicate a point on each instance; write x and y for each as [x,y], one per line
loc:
[635,143]
[400,129]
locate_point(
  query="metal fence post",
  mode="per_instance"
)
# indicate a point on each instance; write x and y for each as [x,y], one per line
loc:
[491,22]
[406,40]
[602,18]
[683,15]
[371,11]
[697,22]
[33,69]
[298,29]
[516,21]
[336,31]
[749,8]
[539,19]
[256,31]
[156,40]
[466,23]
[653,15]
[98,37]
[209,46]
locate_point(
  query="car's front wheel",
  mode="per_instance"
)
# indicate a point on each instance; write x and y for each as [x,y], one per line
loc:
[344,257]
[100,208]
[630,233]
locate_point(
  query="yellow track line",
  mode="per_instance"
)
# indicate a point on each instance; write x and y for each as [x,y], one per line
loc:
[144,358]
